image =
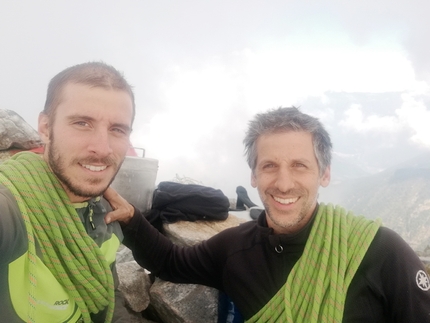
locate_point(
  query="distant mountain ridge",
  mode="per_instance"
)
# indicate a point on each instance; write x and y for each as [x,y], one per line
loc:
[399,196]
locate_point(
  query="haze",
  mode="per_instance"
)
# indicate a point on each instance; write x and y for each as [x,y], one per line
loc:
[202,69]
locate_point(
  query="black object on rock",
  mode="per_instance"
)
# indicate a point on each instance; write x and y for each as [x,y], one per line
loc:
[174,202]
[242,199]
[255,211]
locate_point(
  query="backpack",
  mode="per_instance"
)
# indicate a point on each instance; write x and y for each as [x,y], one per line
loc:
[174,202]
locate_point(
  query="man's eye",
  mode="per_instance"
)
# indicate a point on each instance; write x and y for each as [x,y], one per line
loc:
[268,166]
[81,123]
[119,130]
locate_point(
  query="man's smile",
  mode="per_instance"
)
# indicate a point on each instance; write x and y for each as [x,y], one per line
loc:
[285,201]
[95,168]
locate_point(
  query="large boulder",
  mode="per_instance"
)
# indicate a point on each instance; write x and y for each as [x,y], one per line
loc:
[186,233]
[135,284]
[184,303]
[16,133]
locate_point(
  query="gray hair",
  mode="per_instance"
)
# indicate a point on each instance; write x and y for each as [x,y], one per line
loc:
[283,120]
[94,74]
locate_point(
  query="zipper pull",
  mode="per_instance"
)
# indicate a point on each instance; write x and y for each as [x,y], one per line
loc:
[90,216]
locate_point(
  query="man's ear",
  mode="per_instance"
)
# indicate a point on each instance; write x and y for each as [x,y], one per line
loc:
[253,180]
[43,127]
[325,178]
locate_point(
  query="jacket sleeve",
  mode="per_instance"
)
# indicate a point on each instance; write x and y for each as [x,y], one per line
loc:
[405,281]
[391,284]
[13,235]
[198,264]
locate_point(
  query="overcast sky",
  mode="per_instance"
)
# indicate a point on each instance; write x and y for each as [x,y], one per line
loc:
[202,69]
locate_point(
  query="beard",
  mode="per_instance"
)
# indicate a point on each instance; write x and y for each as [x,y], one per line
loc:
[284,219]
[83,189]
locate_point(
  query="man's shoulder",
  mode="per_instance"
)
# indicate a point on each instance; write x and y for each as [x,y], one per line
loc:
[8,202]
[388,247]
[386,238]
[13,235]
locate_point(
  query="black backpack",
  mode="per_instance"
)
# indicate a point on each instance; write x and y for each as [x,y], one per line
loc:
[174,202]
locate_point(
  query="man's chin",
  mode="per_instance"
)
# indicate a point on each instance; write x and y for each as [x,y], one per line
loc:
[86,192]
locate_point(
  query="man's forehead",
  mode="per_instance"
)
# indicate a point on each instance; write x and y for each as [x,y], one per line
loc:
[284,137]
[291,143]
[95,102]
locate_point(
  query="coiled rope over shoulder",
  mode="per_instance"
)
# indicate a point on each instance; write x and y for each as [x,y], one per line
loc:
[316,288]
[67,250]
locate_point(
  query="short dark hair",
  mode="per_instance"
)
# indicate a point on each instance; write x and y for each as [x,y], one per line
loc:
[94,74]
[288,119]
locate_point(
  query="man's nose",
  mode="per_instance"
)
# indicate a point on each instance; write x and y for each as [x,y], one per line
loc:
[100,143]
[284,180]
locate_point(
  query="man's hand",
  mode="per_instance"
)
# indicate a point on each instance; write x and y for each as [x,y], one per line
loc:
[122,210]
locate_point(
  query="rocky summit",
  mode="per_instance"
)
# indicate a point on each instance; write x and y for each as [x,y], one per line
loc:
[16,133]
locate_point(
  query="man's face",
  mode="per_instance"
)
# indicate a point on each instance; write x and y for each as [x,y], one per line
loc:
[287,178]
[88,139]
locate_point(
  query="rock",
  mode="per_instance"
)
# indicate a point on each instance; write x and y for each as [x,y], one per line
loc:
[138,318]
[123,255]
[16,133]
[135,284]
[187,233]
[182,303]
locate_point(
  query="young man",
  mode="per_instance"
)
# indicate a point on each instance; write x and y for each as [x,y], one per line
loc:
[301,261]
[57,255]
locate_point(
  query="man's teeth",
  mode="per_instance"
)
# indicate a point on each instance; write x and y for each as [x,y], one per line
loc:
[95,168]
[285,201]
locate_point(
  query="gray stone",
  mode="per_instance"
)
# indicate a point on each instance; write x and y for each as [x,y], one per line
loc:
[124,255]
[187,233]
[184,303]
[16,133]
[138,318]
[134,284]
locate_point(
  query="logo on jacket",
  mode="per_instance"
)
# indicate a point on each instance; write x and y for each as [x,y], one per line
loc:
[63,302]
[423,281]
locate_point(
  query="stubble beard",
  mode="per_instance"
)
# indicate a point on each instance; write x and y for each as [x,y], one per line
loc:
[283,218]
[58,166]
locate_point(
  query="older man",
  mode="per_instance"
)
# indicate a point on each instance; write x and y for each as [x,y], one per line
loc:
[57,255]
[301,261]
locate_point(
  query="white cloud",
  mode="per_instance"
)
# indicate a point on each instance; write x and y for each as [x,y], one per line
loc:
[355,120]
[415,115]
[296,72]
[195,103]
